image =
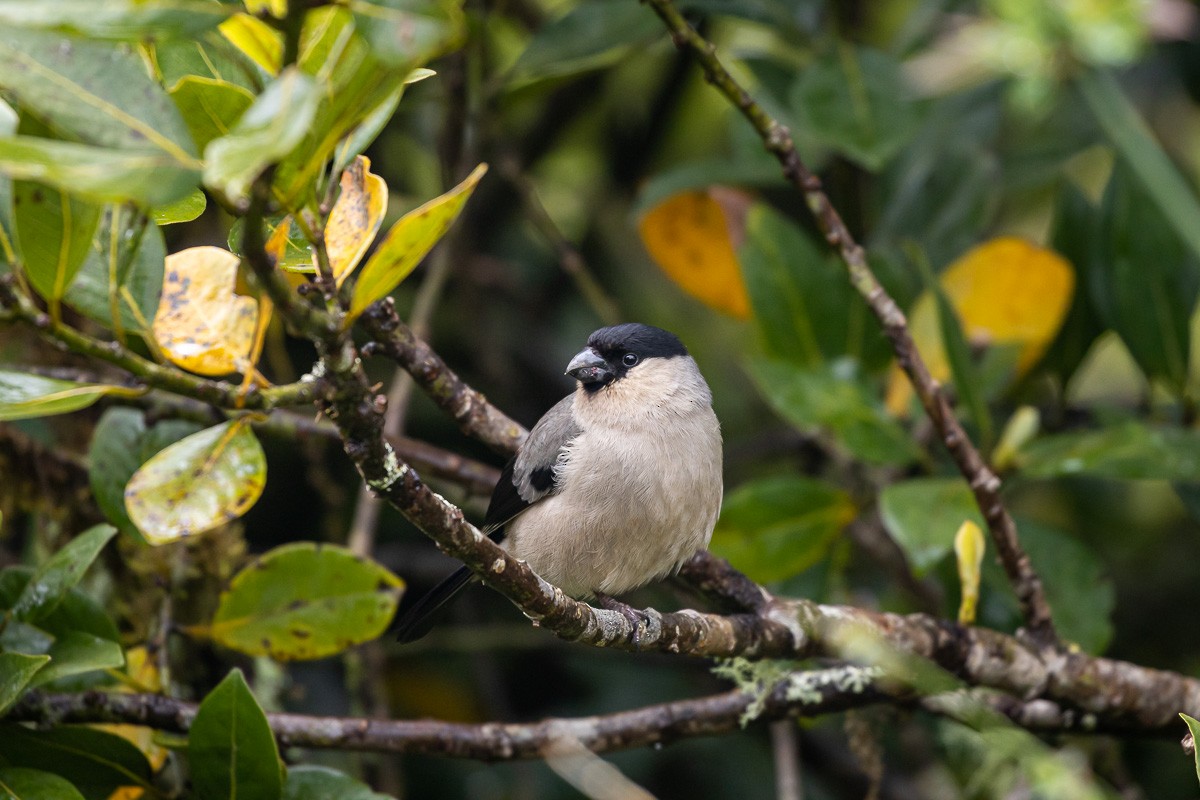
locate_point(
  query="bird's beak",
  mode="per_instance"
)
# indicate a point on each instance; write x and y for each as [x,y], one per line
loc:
[588,367]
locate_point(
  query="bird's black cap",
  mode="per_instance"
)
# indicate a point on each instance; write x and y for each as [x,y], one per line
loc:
[634,337]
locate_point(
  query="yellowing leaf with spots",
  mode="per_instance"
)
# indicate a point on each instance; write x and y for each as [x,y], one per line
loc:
[202,324]
[355,218]
[408,241]
[304,601]
[198,483]
[1006,292]
[694,236]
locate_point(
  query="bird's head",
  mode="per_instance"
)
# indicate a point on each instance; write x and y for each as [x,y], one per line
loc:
[615,353]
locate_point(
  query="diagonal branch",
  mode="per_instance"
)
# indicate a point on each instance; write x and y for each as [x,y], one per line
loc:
[984,483]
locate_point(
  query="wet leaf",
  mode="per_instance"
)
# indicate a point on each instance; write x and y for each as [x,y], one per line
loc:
[1007,292]
[231,749]
[311,782]
[98,763]
[201,324]
[76,611]
[1127,451]
[304,601]
[774,528]
[24,396]
[210,107]
[53,579]
[693,236]
[185,209]
[922,515]
[116,19]
[133,252]
[408,241]
[198,483]
[409,33]
[78,653]
[19,783]
[831,398]
[355,218]
[269,130]
[98,174]
[54,232]
[96,92]
[120,444]
[855,101]
[16,671]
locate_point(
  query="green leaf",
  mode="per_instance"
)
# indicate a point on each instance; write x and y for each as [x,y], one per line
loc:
[701,174]
[16,671]
[132,252]
[97,173]
[855,101]
[24,396]
[116,19]
[1128,451]
[774,528]
[208,56]
[831,398]
[18,783]
[231,748]
[96,761]
[1194,727]
[1081,596]
[120,444]
[1170,196]
[269,130]
[54,232]
[804,308]
[311,782]
[1147,283]
[409,33]
[78,653]
[408,241]
[297,252]
[94,92]
[304,601]
[75,612]
[923,514]
[967,382]
[60,572]
[592,35]
[198,483]
[354,83]
[210,107]
[185,209]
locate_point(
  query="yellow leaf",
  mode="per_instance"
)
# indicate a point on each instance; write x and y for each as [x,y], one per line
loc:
[693,236]
[355,218]
[969,545]
[1006,291]
[258,40]
[201,324]
[1022,426]
[408,241]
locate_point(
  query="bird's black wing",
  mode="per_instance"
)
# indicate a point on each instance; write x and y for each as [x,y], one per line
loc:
[526,478]
[532,474]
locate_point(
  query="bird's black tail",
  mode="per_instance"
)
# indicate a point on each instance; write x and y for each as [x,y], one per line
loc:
[417,620]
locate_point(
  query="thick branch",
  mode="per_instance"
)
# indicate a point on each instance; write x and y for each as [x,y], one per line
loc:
[474,414]
[984,483]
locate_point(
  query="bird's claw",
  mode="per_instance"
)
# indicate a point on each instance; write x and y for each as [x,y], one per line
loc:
[636,618]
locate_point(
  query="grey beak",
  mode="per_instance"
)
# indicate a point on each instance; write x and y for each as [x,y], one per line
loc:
[589,367]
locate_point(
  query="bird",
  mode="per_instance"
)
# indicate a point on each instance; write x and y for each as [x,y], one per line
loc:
[616,485]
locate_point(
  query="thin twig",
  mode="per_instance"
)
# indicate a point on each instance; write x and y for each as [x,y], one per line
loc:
[984,483]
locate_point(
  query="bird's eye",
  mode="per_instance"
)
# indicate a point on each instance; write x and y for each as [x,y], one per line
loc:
[630,359]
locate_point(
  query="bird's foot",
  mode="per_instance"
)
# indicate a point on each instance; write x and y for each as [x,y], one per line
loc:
[636,618]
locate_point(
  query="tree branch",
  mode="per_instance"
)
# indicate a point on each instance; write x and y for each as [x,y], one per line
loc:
[984,483]
[159,376]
